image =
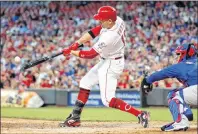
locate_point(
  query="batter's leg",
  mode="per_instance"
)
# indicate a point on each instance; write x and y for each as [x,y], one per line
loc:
[90,79]
[108,84]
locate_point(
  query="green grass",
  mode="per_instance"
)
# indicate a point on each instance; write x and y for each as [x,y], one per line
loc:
[89,114]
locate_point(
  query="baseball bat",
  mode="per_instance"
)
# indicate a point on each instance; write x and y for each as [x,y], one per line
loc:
[41,60]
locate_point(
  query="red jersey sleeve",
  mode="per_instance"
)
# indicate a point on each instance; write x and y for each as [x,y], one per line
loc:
[88,54]
[95,31]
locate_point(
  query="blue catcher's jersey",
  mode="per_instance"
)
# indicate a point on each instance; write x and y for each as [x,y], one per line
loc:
[185,72]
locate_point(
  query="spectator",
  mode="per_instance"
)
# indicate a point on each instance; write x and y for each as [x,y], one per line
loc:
[34,29]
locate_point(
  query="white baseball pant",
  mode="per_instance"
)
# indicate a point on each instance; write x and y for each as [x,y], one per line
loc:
[105,73]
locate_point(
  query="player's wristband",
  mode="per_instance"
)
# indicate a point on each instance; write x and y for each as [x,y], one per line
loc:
[88,54]
[92,34]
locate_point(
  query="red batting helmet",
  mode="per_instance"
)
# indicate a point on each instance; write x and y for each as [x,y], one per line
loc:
[106,13]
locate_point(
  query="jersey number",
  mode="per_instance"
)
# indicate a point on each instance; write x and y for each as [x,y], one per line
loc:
[123,37]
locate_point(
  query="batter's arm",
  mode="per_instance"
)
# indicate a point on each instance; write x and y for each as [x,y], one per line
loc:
[84,38]
[95,31]
[91,34]
[90,54]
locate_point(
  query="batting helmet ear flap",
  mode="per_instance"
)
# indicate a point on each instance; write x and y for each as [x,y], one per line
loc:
[190,51]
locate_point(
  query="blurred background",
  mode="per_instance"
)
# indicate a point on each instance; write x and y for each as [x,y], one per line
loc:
[31,30]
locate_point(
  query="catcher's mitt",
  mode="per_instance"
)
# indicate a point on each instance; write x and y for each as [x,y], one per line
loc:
[145,86]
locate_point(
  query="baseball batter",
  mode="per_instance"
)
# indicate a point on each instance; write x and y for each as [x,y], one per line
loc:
[186,72]
[110,47]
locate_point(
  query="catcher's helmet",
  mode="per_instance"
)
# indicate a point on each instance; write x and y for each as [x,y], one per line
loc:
[106,13]
[185,51]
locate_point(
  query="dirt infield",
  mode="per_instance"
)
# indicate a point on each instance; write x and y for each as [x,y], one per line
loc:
[22,126]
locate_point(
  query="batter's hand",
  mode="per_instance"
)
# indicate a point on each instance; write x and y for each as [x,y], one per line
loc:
[75,53]
[74,46]
[66,52]
[145,86]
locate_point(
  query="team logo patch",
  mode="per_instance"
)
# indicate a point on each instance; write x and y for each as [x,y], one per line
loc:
[101,45]
[127,107]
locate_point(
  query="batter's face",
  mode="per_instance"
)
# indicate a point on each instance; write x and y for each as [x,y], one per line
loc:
[106,23]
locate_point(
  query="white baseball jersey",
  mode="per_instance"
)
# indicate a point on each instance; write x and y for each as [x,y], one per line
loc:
[110,46]
[111,41]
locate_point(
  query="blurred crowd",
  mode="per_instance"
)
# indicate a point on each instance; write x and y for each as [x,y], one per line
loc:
[32,30]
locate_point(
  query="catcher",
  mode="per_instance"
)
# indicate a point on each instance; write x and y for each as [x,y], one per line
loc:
[186,72]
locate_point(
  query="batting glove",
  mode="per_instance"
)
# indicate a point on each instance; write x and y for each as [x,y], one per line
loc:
[67,51]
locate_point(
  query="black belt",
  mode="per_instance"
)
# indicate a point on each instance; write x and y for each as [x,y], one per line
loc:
[112,58]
